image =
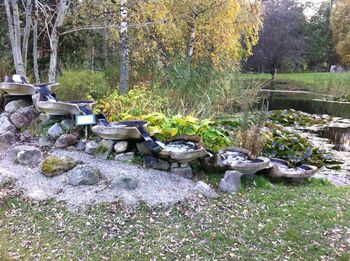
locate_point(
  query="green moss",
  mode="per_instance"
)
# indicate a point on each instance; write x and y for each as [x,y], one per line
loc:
[54,166]
[101,149]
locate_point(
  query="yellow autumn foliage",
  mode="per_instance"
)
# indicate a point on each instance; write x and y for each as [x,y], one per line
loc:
[340,22]
[223,31]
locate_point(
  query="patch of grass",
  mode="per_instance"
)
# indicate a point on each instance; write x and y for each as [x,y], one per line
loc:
[324,83]
[300,222]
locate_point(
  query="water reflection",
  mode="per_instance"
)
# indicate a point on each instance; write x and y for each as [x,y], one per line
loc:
[306,103]
[340,137]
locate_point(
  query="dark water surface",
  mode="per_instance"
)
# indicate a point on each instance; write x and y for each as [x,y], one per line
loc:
[307,103]
[310,103]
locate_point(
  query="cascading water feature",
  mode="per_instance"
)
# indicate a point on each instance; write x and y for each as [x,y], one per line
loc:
[340,137]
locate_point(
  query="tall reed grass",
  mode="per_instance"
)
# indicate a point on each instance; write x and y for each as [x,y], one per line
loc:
[205,91]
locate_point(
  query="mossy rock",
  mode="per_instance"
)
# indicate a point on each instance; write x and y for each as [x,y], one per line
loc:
[53,166]
[104,149]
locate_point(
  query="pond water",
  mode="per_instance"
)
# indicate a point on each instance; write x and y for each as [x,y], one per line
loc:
[307,103]
[313,104]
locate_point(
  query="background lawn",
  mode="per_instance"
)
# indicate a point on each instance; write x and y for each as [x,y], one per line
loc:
[326,83]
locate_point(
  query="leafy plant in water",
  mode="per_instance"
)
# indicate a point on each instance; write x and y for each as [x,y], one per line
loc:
[166,128]
[291,147]
[292,117]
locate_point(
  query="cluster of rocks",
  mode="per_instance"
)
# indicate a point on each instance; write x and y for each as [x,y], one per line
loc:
[17,115]
[63,134]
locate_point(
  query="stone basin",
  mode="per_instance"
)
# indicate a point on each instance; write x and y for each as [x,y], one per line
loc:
[58,108]
[280,168]
[184,149]
[13,88]
[123,130]
[238,159]
[24,89]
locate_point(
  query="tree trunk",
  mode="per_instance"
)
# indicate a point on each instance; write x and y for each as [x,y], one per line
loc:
[27,33]
[35,44]
[54,39]
[17,39]
[11,33]
[192,39]
[124,48]
[105,36]
[14,32]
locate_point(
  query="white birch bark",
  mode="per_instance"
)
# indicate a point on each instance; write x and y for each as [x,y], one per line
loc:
[17,39]
[27,33]
[192,37]
[124,48]
[35,44]
[54,39]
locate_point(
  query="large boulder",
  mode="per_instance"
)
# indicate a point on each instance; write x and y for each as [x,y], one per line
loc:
[91,147]
[53,166]
[205,190]
[30,112]
[125,156]
[67,124]
[127,183]
[7,139]
[121,146]
[27,155]
[55,131]
[231,181]
[66,140]
[84,175]
[156,163]
[19,120]
[14,106]
[104,149]
[6,124]
[185,172]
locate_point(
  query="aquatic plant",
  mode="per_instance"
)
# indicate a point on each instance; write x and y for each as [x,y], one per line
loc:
[292,147]
[292,118]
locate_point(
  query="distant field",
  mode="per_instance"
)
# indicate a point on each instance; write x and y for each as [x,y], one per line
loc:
[327,83]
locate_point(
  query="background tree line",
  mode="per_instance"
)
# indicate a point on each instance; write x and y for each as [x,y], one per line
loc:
[152,39]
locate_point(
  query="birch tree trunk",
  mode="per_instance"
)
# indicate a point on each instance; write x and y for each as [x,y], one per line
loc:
[35,44]
[192,39]
[54,39]
[27,33]
[124,48]
[14,33]
[17,39]
[11,33]
[105,36]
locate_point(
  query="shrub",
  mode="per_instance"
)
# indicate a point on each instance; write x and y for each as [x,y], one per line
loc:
[166,128]
[80,85]
[136,102]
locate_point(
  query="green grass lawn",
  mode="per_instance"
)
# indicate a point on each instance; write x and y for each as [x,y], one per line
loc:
[264,222]
[327,83]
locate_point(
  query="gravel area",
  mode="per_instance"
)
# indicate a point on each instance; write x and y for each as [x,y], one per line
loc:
[154,187]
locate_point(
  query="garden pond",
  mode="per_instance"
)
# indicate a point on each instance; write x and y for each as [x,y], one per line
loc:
[338,135]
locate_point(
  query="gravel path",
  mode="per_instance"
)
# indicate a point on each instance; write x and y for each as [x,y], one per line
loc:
[155,187]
